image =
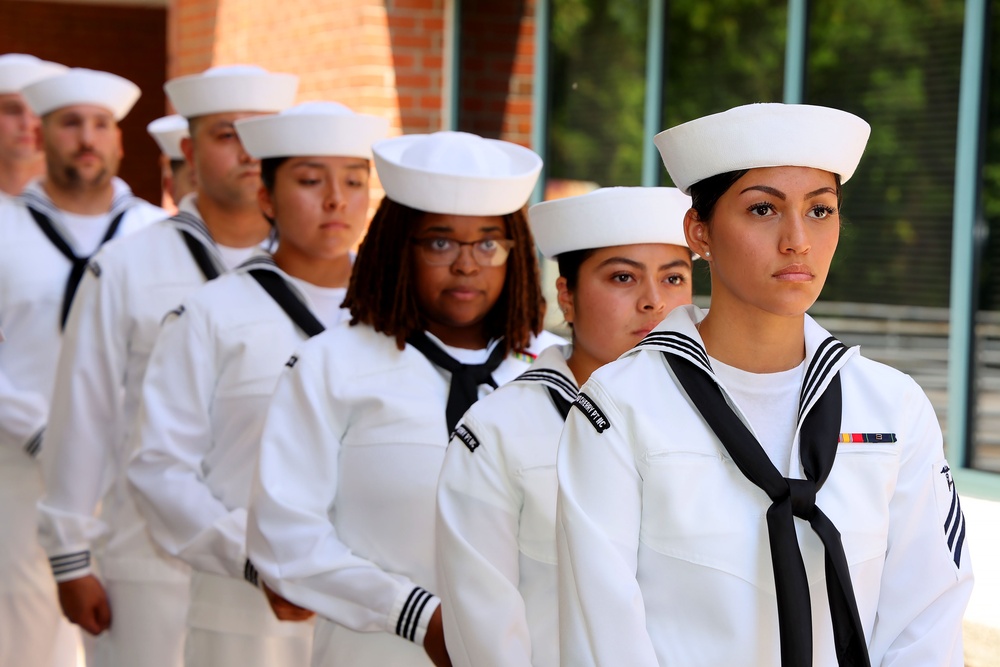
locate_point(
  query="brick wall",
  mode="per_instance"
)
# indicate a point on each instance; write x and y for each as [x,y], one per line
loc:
[497,69]
[374,56]
[129,41]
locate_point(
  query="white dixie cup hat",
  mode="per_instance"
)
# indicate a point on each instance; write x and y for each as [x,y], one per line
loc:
[609,217]
[456,173]
[312,128]
[168,132]
[230,89]
[18,70]
[763,135]
[82,86]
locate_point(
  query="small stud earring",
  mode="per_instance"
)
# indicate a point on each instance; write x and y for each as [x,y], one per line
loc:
[708,254]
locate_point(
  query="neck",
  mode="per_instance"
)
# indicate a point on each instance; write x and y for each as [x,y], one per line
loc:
[318,271]
[472,337]
[81,201]
[14,175]
[582,364]
[235,227]
[753,340]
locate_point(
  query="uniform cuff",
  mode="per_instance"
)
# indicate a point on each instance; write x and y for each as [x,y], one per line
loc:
[34,445]
[411,614]
[250,574]
[67,567]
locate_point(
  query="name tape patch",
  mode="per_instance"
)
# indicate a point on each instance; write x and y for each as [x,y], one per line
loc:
[594,414]
[467,436]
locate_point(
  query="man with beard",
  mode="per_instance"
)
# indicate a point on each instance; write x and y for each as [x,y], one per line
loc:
[46,237]
[21,158]
[139,605]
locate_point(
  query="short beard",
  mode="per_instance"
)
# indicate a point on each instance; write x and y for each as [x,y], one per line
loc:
[69,177]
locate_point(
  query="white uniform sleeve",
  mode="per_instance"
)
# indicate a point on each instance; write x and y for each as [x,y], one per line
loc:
[927,577]
[477,549]
[82,437]
[172,437]
[602,619]
[22,416]
[290,537]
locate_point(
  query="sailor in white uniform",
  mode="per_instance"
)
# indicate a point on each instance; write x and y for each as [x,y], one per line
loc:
[136,600]
[21,157]
[46,236]
[200,420]
[177,174]
[445,305]
[623,265]
[742,488]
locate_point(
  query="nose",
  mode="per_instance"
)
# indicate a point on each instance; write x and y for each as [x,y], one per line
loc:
[465,263]
[651,297]
[794,235]
[334,198]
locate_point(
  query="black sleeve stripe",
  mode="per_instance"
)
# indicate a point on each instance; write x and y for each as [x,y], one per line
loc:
[69,562]
[35,444]
[409,616]
[250,574]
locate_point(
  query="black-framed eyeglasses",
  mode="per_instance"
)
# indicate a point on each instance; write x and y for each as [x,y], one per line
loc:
[443,251]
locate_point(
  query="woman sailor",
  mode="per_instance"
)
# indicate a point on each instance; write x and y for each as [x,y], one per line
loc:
[623,265]
[445,306]
[705,475]
[215,365]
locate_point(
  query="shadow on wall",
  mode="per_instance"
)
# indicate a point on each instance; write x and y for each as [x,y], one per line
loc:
[128,41]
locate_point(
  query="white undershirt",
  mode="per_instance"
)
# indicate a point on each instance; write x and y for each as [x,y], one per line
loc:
[324,302]
[86,230]
[233,257]
[463,355]
[770,402]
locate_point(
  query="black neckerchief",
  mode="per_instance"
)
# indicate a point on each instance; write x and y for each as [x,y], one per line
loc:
[465,378]
[791,498]
[293,306]
[200,255]
[77,264]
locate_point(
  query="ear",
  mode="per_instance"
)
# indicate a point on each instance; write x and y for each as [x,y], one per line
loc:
[187,147]
[697,234]
[565,299]
[265,202]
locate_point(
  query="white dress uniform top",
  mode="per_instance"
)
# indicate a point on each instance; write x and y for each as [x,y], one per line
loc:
[346,528]
[124,296]
[666,533]
[199,426]
[345,525]
[205,397]
[496,536]
[128,291]
[497,491]
[33,279]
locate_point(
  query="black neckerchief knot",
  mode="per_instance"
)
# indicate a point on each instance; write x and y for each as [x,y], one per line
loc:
[791,498]
[465,378]
[78,264]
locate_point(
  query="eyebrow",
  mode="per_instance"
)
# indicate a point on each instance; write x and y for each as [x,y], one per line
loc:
[781,195]
[444,229]
[221,125]
[639,265]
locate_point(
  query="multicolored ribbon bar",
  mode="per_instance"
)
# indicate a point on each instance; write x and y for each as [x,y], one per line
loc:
[871,438]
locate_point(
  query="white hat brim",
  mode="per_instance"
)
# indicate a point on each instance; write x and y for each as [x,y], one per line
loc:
[201,95]
[18,70]
[345,135]
[763,135]
[82,86]
[456,193]
[168,133]
[609,217]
